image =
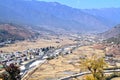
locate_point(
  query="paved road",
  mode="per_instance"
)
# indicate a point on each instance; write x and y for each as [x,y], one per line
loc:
[85,73]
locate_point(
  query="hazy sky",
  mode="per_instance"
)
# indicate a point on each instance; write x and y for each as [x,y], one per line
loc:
[88,3]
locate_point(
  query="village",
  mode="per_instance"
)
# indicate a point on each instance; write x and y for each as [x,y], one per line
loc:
[31,58]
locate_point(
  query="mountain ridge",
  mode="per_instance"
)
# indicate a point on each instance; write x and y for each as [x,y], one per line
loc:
[50,15]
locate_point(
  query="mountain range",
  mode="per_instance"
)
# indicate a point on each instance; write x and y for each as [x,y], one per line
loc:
[54,16]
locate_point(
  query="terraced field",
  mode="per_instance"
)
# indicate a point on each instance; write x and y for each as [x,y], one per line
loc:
[63,65]
[24,45]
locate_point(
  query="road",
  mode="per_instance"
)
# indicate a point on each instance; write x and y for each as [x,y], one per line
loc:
[85,73]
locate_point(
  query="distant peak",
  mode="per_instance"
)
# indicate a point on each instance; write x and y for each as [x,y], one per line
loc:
[54,3]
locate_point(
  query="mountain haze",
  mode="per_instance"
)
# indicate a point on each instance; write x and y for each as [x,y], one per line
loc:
[110,16]
[55,16]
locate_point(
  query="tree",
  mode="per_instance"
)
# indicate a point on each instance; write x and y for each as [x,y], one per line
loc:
[13,71]
[95,65]
[90,77]
[4,76]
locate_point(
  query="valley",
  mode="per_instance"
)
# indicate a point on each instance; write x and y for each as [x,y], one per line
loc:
[48,40]
[60,59]
[60,55]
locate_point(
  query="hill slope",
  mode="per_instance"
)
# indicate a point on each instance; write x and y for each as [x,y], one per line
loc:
[114,32]
[14,32]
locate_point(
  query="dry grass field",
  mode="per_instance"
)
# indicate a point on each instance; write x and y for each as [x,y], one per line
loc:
[62,66]
[117,78]
[24,45]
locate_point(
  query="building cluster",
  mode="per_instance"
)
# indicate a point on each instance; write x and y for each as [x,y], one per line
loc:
[20,57]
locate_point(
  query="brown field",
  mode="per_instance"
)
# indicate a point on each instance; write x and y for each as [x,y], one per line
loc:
[24,45]
[117,78]
[61,66]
